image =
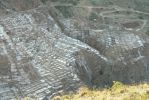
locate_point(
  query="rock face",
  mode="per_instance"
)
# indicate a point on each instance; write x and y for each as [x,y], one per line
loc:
[48,47]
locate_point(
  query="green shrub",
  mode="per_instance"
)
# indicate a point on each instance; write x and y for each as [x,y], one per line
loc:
[94,2]
[44,1]
[93,16]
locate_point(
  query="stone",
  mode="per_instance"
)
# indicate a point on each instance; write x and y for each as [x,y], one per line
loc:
[43,52]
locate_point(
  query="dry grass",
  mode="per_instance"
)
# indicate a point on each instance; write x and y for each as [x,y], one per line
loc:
[118,91]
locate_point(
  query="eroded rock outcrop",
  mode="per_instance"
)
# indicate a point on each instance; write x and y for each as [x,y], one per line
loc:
[44,51]
[41,60]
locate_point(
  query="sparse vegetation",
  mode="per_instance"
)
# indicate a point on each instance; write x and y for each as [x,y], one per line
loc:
[118,91]
[66,11]
[147,32]
[93,16]
[44,1]
[94,2]
[74,2]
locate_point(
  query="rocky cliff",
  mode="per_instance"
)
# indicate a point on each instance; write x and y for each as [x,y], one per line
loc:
[53,46]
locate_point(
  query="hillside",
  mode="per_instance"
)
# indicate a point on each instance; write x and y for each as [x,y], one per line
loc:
[118,91]
[49,47]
